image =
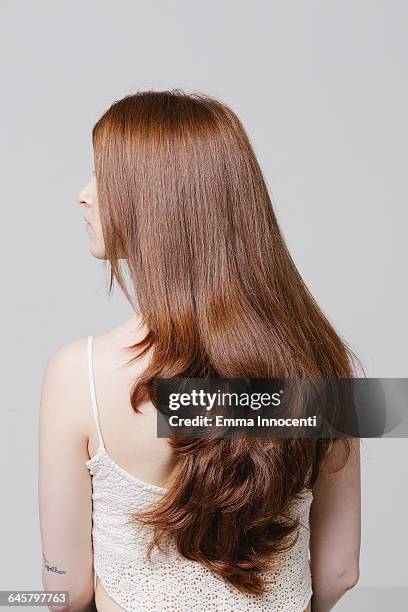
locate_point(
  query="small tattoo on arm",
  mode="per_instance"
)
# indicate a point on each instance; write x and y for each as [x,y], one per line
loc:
[52,568]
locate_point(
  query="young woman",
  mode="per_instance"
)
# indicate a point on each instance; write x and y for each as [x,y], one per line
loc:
[179,209]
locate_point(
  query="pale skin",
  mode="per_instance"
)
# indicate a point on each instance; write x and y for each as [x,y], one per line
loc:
[68,438]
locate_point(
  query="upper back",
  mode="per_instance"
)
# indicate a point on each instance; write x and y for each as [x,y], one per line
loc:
[129,437]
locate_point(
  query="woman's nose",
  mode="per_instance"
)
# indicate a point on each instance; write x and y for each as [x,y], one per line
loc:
[81,198]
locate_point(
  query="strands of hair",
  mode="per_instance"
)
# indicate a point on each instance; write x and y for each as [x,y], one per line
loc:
[184,203]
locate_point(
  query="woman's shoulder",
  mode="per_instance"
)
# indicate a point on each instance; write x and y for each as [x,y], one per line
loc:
[64,366]
[63,394]
[66,377]
[64,386]
[116,338]
[65,363]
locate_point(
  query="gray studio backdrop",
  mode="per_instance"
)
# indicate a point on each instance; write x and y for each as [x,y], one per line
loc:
[321,89]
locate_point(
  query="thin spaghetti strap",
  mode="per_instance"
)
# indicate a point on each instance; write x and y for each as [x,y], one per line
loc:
[92,390]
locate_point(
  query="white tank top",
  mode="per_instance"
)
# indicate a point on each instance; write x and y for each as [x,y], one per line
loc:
[170,582]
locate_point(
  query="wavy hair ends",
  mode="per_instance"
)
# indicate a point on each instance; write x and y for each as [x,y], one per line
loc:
[184,205]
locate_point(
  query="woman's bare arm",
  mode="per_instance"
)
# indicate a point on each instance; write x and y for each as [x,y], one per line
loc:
[65,500]
[335,527]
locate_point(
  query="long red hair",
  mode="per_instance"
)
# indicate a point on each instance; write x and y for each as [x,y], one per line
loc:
[186,215]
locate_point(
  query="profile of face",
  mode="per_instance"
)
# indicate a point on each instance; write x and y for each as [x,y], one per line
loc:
[87,198]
